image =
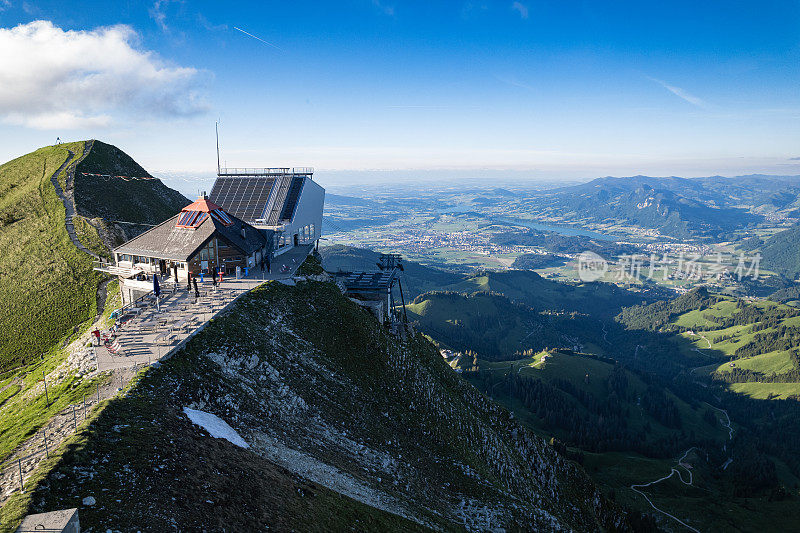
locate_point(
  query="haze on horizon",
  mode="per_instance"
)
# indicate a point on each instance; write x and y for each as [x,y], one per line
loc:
[539,90]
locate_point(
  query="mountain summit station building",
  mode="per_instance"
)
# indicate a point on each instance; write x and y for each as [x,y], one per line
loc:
[201,239]
[251,216]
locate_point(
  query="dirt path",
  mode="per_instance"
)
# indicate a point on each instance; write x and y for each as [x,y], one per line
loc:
[725,423]
[15,381]
[67,196]
[708,341]
[69,202]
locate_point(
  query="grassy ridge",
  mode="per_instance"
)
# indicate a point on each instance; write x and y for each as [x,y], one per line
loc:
[48,290]
[47,286]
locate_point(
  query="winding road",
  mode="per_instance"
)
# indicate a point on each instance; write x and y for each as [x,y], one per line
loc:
[708,341]
[672,472]
[726,423]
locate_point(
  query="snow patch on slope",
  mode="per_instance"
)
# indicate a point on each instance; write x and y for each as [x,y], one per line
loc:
[215,426]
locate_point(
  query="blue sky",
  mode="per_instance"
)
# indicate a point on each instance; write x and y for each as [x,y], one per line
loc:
[555,89]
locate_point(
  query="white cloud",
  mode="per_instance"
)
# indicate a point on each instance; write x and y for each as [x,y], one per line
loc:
[514,82]
[204,22]
[157,13]
[385,9]
[521,8]
[680,93]
[51,78]
[57,120]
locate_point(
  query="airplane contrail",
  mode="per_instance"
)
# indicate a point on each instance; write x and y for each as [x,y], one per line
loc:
[258,38]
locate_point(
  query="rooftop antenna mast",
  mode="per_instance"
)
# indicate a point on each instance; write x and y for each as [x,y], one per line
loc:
[216,128]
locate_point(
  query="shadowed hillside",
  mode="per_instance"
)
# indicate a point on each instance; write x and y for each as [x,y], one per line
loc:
[318,391]
[115,198]
[494,327]
[529,288]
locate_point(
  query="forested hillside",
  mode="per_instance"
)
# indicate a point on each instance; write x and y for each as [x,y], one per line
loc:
[494,327]
[531,289]
[752,347]
[781,252]
[689,378]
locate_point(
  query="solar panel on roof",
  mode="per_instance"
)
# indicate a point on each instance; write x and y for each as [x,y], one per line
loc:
[216,189]
[243,197]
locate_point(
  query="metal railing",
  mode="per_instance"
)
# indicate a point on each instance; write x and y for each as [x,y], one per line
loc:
[267,171]
[90,401]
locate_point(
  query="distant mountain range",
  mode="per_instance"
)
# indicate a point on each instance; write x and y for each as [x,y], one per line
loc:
[711,207]
[674,206]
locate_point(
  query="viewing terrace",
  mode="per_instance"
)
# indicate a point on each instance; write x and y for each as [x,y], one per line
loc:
[147,330]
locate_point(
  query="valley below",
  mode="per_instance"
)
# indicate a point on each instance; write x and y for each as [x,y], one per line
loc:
[633,370]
